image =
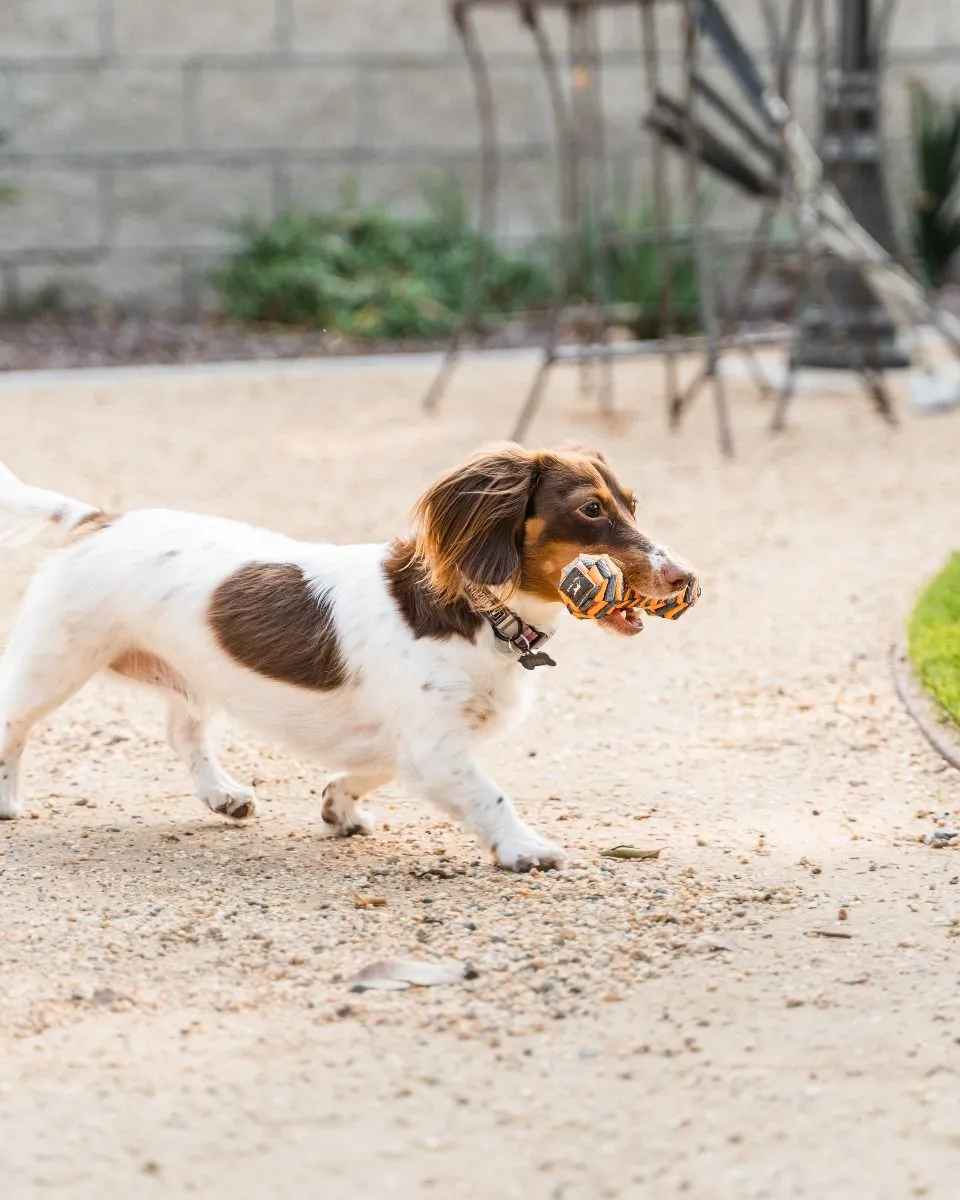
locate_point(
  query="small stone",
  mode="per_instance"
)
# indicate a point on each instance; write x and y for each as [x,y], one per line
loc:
[712,943]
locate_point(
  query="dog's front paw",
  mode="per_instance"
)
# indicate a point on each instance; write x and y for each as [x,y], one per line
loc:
[357,824]
[524,853]
[10,808]
[240,803]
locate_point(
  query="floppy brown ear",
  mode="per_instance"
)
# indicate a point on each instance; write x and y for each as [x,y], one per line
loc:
[470,522]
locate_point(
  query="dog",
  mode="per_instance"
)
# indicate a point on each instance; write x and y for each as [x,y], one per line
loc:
[390,661]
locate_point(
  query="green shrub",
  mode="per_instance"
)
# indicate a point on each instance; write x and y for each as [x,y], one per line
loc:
[934,637]
[936,140]
[622,261]
[369,274]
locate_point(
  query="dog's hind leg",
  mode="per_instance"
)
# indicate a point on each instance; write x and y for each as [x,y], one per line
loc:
[46,661]
[342,813]
[189,734]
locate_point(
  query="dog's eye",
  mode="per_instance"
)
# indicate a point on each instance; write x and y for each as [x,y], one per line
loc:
[593,509]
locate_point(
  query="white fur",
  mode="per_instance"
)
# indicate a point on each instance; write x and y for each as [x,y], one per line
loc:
[146,580]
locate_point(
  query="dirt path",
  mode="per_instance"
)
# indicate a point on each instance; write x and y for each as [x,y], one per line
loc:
[174,1018]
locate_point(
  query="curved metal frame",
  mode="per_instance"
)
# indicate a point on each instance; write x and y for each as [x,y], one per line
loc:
[489,183]
[581,170]
[566,167]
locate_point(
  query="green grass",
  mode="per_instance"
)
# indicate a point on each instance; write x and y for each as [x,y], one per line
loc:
[934,637]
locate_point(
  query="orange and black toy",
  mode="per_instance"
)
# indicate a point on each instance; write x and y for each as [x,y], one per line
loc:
[592,587]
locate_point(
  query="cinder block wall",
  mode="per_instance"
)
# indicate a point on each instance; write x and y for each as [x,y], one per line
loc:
[138,128]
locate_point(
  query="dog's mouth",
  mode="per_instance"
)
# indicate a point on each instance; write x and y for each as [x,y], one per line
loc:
[625,621]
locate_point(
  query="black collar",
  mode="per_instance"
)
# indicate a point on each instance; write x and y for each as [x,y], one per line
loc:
[513,634]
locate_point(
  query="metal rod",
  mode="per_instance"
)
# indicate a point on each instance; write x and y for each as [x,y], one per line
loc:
[566,166]
[704,264]
[788,47]
[596,167]
[760,141]
[667,316]
[489,184]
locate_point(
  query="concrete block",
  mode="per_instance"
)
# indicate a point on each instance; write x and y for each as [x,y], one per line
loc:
[7,84]
[922,25]
[125,282]
[529,200]
[527,206]
[186,27]
[264,106]
[501,33]
[626,98]
[100,108]
[398,27]
[55,210]
[321,186]
[49,28]
[940,77]
[200,298]
[435,107]
[186,205]
[402,185]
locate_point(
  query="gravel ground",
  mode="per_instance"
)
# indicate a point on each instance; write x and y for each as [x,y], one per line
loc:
[176,1013]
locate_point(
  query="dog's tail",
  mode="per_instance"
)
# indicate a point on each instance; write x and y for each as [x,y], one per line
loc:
[26,510]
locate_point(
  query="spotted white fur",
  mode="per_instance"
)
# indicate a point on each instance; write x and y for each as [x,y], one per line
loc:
[146,580]
[410,709]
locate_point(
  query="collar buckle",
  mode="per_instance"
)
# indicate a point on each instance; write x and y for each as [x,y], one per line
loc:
[516,637]
[528,639]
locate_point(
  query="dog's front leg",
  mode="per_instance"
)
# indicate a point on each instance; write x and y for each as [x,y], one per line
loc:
[443,771]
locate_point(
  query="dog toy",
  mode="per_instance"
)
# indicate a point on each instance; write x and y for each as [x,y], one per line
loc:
[592,587]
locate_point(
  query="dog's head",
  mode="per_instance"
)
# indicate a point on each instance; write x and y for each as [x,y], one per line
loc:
[511,519]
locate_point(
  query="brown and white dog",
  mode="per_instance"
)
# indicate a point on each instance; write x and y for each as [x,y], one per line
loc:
[383,661]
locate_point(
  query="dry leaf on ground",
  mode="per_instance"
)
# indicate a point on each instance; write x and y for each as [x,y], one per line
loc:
[395,974]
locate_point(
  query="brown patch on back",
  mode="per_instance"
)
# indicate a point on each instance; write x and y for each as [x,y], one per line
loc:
[90,524]
[267,619]
[416,598]
[146,667]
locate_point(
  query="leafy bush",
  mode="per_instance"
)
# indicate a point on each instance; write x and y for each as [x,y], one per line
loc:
[369,274]
[626,257]
[936,139]
[934,637]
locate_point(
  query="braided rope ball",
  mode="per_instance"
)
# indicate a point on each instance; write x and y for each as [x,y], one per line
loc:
[592,587]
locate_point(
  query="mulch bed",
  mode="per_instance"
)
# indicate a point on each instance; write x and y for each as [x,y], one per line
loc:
[62,343]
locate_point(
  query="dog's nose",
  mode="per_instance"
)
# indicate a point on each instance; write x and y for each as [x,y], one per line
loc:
[675,574]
